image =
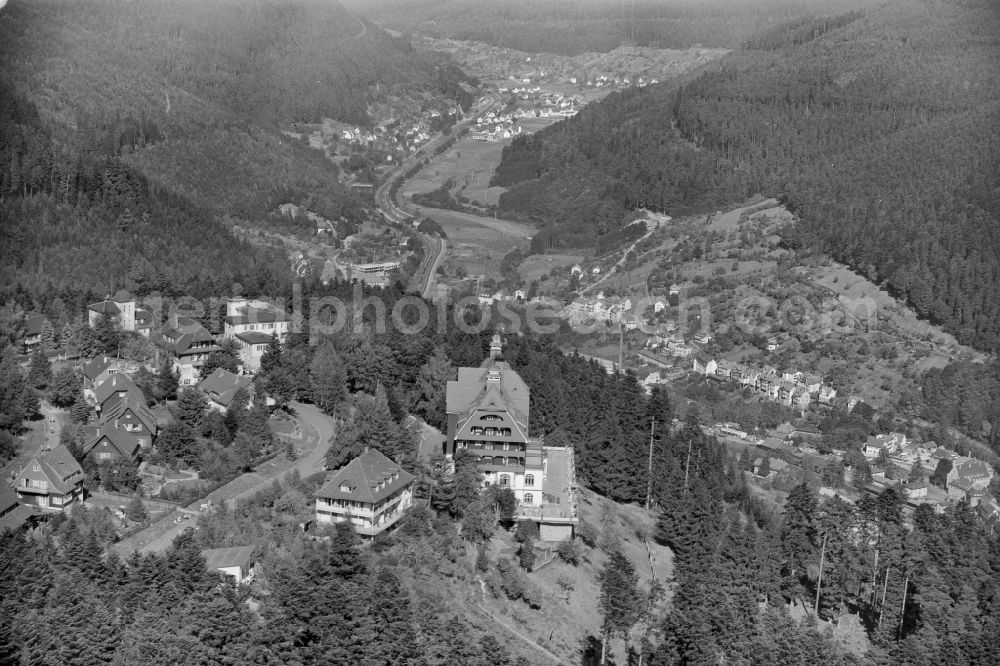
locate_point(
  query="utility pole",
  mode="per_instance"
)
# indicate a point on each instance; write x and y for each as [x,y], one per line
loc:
[902,609]
[885,588]
[649,469]
[819,581]
[687,466]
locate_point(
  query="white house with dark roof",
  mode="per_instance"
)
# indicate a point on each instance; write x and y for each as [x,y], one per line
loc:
[251,323]
[53,480]
[371,491]
[236,561]
[120,307]
[970,473]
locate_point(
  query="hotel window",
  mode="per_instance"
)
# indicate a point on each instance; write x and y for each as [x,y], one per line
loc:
[529,480]
[529,498]
[504,480]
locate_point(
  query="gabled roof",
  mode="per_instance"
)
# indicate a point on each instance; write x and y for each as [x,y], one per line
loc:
[96,366]
[33,324]
[254,337]
[126,443]
[232,556]
[369,478]
[60,468]
[135,402]
[116,383]
[106,307]
[180,332]
[493,387]
[972,468]
[221,386]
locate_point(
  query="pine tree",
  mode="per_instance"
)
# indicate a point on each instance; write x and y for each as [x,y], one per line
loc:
[619,602]
[191,407]
[80,411]
[328,379]
[167,380]
[39,370]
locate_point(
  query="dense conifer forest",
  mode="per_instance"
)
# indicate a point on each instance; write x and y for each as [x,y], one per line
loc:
[572,27]
[878,128]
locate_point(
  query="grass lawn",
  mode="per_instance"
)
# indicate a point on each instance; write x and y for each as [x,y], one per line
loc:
[538,266]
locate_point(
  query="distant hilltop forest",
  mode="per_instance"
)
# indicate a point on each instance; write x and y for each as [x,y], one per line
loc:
[879,128]
[572,27]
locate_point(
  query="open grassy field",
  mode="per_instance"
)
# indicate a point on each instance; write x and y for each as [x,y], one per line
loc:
[539,265]
[477,243]
[469,163]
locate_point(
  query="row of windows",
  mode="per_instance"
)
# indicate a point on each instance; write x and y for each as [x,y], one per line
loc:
[491,432]
[529,480]
[492,446]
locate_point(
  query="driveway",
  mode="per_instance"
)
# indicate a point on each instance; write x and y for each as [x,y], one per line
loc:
[157,537]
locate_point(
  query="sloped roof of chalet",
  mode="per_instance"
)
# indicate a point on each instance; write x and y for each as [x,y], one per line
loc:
[472,392]
[126,443]
[962,483]
[116,383]
[8,497]
[184,332]
[232,556]
[60,468]
[106,307]
[96,366]
[33,324]
[136,402]
[221,386]
[972,468]
[143,318]
[250,314]
[17,517]
[370,478]
[254,337]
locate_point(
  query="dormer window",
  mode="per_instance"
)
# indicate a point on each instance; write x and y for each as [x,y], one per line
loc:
[344,488]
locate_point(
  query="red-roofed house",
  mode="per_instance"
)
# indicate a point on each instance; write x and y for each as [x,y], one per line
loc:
[371,492]
[53,480]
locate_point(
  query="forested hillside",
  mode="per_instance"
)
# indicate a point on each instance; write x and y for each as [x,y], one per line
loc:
[879,129]
[572,27]
[133,136]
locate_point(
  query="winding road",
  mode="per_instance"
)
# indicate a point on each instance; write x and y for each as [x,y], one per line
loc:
[157,537]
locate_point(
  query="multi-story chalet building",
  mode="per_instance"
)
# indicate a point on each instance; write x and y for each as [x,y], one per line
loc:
[53,480]
[190,343]
[371,492]
[488,418]
[107,443]
[251,323]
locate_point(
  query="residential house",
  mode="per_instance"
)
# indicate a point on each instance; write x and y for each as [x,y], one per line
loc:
[52,480]
[98,370]
[190,343]
[371,492]
[251,323]
[977,472]
[916,489]
[32,333]
[488,419]
[724,369]
[221,388]
[827,394]
[705,365]
[110,443]
[114,389]
[120,307]
[132,416]
[811,383]
[236,561]
[891,443]
[960,488]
